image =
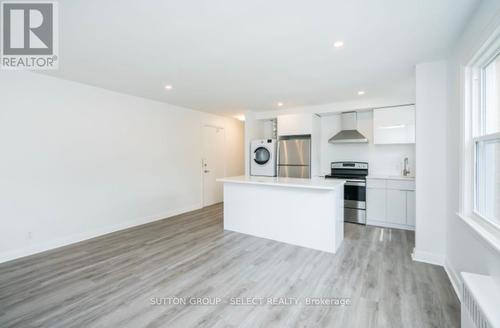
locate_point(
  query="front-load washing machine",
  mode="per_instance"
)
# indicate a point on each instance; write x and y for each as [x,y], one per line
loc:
[263,157]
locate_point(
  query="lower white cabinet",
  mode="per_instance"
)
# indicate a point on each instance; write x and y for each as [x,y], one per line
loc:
[390,203]
[376,199]
[396,206]
[410,208]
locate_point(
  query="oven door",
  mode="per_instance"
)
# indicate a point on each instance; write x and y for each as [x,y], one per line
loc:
[355,194]
[355,201]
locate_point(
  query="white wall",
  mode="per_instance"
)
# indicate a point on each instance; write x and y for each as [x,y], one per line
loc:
[431,162]
[382,159]
[79,161]
[465,250]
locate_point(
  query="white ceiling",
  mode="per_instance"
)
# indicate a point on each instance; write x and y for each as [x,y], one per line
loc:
[228,56]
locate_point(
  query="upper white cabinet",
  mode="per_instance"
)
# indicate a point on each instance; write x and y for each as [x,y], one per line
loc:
[295,124]
[395,125]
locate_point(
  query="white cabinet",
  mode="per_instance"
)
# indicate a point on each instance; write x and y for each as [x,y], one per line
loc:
[376,199]
[396,206]
[295,124]
[410,208]
[395,125]
[390,203]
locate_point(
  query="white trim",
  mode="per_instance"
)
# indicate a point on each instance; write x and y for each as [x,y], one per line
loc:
[42,247]
[483,234]
[455,279]
[489,223]
[487,51]
[487,137]
[466,168]
[471,105]
[384,224]
[427,257]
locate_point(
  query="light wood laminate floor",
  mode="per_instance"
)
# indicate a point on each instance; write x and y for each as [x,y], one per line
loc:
[110,281]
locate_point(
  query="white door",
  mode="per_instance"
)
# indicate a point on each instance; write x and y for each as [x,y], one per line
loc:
[212,164]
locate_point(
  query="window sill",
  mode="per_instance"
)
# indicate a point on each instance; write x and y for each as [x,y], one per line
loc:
[486,234]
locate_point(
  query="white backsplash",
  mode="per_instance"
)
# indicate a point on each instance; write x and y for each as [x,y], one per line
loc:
[382,159]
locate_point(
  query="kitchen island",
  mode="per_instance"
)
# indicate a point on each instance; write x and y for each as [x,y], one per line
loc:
[303,212]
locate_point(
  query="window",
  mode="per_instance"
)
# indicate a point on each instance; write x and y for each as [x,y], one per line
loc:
[486,141]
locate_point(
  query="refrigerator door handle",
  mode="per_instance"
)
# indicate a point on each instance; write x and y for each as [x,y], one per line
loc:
[294,171]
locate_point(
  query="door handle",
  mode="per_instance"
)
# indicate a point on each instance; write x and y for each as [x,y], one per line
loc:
[206,171]
[356,184]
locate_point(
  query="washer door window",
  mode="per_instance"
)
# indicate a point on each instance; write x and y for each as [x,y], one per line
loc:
[261,155]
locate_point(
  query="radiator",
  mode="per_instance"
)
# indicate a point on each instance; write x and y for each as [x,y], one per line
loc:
[480,302]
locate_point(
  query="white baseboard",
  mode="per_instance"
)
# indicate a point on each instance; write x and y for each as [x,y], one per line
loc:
[45,246]
[455,279]
[389,225]
[427,257]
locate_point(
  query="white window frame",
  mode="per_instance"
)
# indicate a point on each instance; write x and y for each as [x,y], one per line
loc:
[472,77]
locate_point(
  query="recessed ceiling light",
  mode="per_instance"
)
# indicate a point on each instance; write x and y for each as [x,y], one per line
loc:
[240,117]
[168,87]
[338,44]
[361,92]
[280,104]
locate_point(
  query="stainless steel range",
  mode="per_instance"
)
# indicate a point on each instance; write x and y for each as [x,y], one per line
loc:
[354,189]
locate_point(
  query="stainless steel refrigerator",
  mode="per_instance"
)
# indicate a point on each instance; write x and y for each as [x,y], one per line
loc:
[294,159]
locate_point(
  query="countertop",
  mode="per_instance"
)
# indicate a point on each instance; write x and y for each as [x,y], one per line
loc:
[313,183]
[390,177]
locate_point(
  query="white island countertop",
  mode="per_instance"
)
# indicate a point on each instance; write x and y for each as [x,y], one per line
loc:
[313,183]
[302,212]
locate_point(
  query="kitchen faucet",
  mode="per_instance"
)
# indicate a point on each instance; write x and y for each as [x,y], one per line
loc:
[406,169]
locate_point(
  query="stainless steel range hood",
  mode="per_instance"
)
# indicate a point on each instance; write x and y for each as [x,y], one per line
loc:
[349,132]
